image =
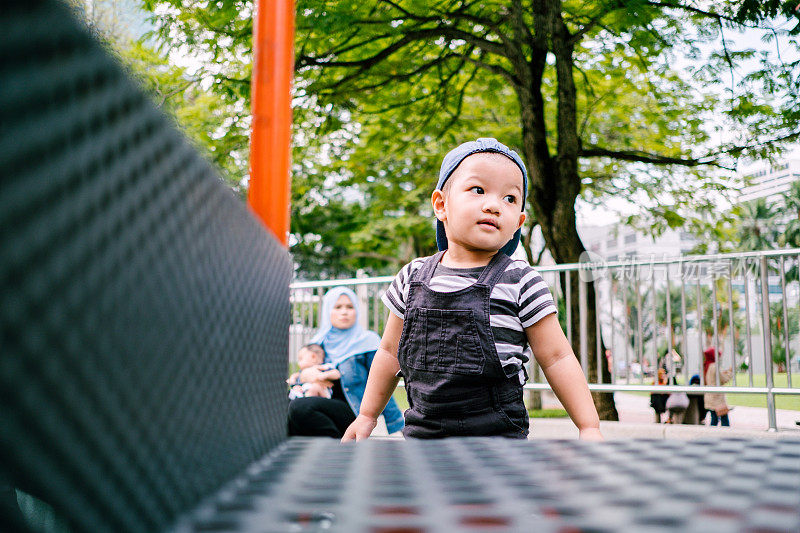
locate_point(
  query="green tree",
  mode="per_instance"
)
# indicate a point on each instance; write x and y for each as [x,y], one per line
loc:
[204,116]
[791,234]
[779,327]
[757,230]
[674,317]
[638,323]
[617,50]
[652,326]
[723,316]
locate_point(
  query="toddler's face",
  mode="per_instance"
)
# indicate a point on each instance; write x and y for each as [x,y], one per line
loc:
[343,314]
[483,205]
[306,358]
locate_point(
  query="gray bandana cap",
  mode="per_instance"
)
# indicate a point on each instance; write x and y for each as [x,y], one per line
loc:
[456,156]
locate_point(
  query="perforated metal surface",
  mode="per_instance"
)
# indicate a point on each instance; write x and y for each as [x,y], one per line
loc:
[482,484]
[143,310]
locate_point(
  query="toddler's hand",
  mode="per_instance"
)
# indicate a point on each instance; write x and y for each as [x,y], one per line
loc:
[591,434]
[360,429]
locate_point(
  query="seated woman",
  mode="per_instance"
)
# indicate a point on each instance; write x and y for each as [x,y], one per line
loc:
[349,348]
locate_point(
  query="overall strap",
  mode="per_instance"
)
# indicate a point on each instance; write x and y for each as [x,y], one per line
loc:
[492,272]
[425,272]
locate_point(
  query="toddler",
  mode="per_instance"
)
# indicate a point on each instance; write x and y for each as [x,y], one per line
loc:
[463,322]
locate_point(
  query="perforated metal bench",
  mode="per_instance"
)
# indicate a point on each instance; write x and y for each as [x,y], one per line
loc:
[144,318]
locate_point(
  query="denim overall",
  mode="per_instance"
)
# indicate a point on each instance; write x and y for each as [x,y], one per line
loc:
[454,380]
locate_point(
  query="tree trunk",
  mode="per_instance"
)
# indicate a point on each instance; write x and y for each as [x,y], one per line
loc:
[555,183]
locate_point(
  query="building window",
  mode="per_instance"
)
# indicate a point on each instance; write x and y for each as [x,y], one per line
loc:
[629,239]
[611,243]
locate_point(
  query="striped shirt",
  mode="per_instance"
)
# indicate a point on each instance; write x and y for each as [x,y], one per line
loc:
[519,299]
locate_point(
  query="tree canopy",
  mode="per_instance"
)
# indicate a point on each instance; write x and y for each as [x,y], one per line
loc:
[206,117]
[639,99]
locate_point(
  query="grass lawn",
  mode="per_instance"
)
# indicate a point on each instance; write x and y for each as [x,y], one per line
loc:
[547,413]
[782,401]
[401,399]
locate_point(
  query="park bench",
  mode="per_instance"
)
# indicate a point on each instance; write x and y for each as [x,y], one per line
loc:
[145,314]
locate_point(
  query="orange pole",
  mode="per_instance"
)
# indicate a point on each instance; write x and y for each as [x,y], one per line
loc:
[271,104]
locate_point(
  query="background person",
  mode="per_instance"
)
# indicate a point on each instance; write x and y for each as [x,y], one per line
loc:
[677,404]
[696,412]
[715,402]
[350,349]
[658,400]
[312,355]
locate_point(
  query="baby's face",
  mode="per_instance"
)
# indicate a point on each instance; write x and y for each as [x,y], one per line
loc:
[482,207]
[306,358]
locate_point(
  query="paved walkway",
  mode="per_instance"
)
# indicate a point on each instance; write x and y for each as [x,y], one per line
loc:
[636,420]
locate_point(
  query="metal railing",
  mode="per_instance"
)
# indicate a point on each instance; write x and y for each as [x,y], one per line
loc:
[651,313]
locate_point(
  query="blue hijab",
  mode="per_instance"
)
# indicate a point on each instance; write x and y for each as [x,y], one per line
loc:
[341,344]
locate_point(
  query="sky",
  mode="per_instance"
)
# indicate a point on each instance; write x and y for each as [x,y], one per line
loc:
[117,16]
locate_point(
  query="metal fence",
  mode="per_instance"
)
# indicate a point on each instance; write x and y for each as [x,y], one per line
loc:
[651,313]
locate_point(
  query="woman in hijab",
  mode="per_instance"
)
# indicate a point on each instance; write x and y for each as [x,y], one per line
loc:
[715,402]
[350,349]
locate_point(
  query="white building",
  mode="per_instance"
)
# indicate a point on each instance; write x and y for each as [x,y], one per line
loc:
[770,180]
[616,242]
